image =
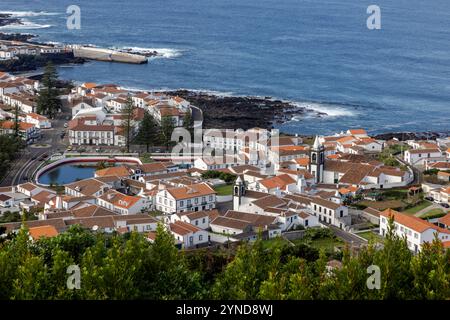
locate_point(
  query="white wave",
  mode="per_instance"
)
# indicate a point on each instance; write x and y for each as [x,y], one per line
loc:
[21,14]
[25,25]
[166,53]
[54,43]
[330,110]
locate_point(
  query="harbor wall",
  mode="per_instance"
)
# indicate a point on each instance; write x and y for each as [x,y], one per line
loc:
[108,55]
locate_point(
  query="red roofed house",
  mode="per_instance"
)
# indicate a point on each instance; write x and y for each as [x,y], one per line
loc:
[121,203]
[415,230]
[38,121]
[27,131]
[196,197]
[187,235]
[275,185]
[43,231]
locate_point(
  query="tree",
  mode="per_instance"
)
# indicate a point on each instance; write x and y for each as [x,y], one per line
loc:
[188,125]
[16,126]
[167,127]
[48,101]
[128,122]
[148,132]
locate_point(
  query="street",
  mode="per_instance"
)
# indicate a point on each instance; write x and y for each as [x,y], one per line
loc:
[29,159]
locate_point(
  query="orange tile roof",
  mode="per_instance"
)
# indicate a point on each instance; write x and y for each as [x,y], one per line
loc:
[182,228]
[358,131]
[120,171]
[43,231]
[411,222]
[119,199]
[195,190]
[280,181]
[445,219]
[22,125]
[304,161]
[89,85]
[345,139]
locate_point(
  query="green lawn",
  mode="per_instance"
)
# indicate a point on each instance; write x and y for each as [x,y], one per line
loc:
[326,243]
[269,244]
[369,235]
[433,213]
[419,207]
[382,205]
[224,190]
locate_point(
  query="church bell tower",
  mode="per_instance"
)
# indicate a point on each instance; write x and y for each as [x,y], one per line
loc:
[317,160]
[238,193]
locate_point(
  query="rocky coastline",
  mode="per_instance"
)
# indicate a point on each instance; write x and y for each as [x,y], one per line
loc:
[7,19]
[33,62]
[234,112]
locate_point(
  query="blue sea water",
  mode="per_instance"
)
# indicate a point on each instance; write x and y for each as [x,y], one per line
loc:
[318,53]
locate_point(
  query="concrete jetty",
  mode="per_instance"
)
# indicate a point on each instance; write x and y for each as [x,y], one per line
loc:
[108,55]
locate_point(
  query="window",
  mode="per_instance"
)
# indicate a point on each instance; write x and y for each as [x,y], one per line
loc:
[203,220]
[191,239]
[148,227]
[196,200]
[211,198]
[196,222]
[181,203]
[200,237]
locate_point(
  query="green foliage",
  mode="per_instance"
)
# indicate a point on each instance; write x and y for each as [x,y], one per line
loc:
[148,133]
[212,174]
[9,147]
[119,267]
[167,127]
[431,172]
[128,122]
[48,102]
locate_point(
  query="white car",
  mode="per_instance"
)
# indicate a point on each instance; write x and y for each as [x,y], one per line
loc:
[65,125]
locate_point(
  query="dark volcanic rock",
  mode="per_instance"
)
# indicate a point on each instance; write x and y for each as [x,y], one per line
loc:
[240,112]
[7,19]
[402,136]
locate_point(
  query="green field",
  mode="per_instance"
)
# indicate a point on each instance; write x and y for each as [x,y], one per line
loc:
[326,243]
[224,190]
[369,235]
[419,207]
[433,213]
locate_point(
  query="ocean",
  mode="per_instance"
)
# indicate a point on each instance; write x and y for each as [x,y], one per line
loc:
[317,53]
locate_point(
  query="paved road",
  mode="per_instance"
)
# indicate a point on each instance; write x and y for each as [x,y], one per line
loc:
[347,236]
[29,159]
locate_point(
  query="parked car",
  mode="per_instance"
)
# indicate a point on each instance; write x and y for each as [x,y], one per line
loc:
[445,205]
[429,198]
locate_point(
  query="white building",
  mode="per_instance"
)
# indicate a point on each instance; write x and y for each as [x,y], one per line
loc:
[415,230]
[417,157]
[123,204]
[330,212]
[196,197]
[187,235]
